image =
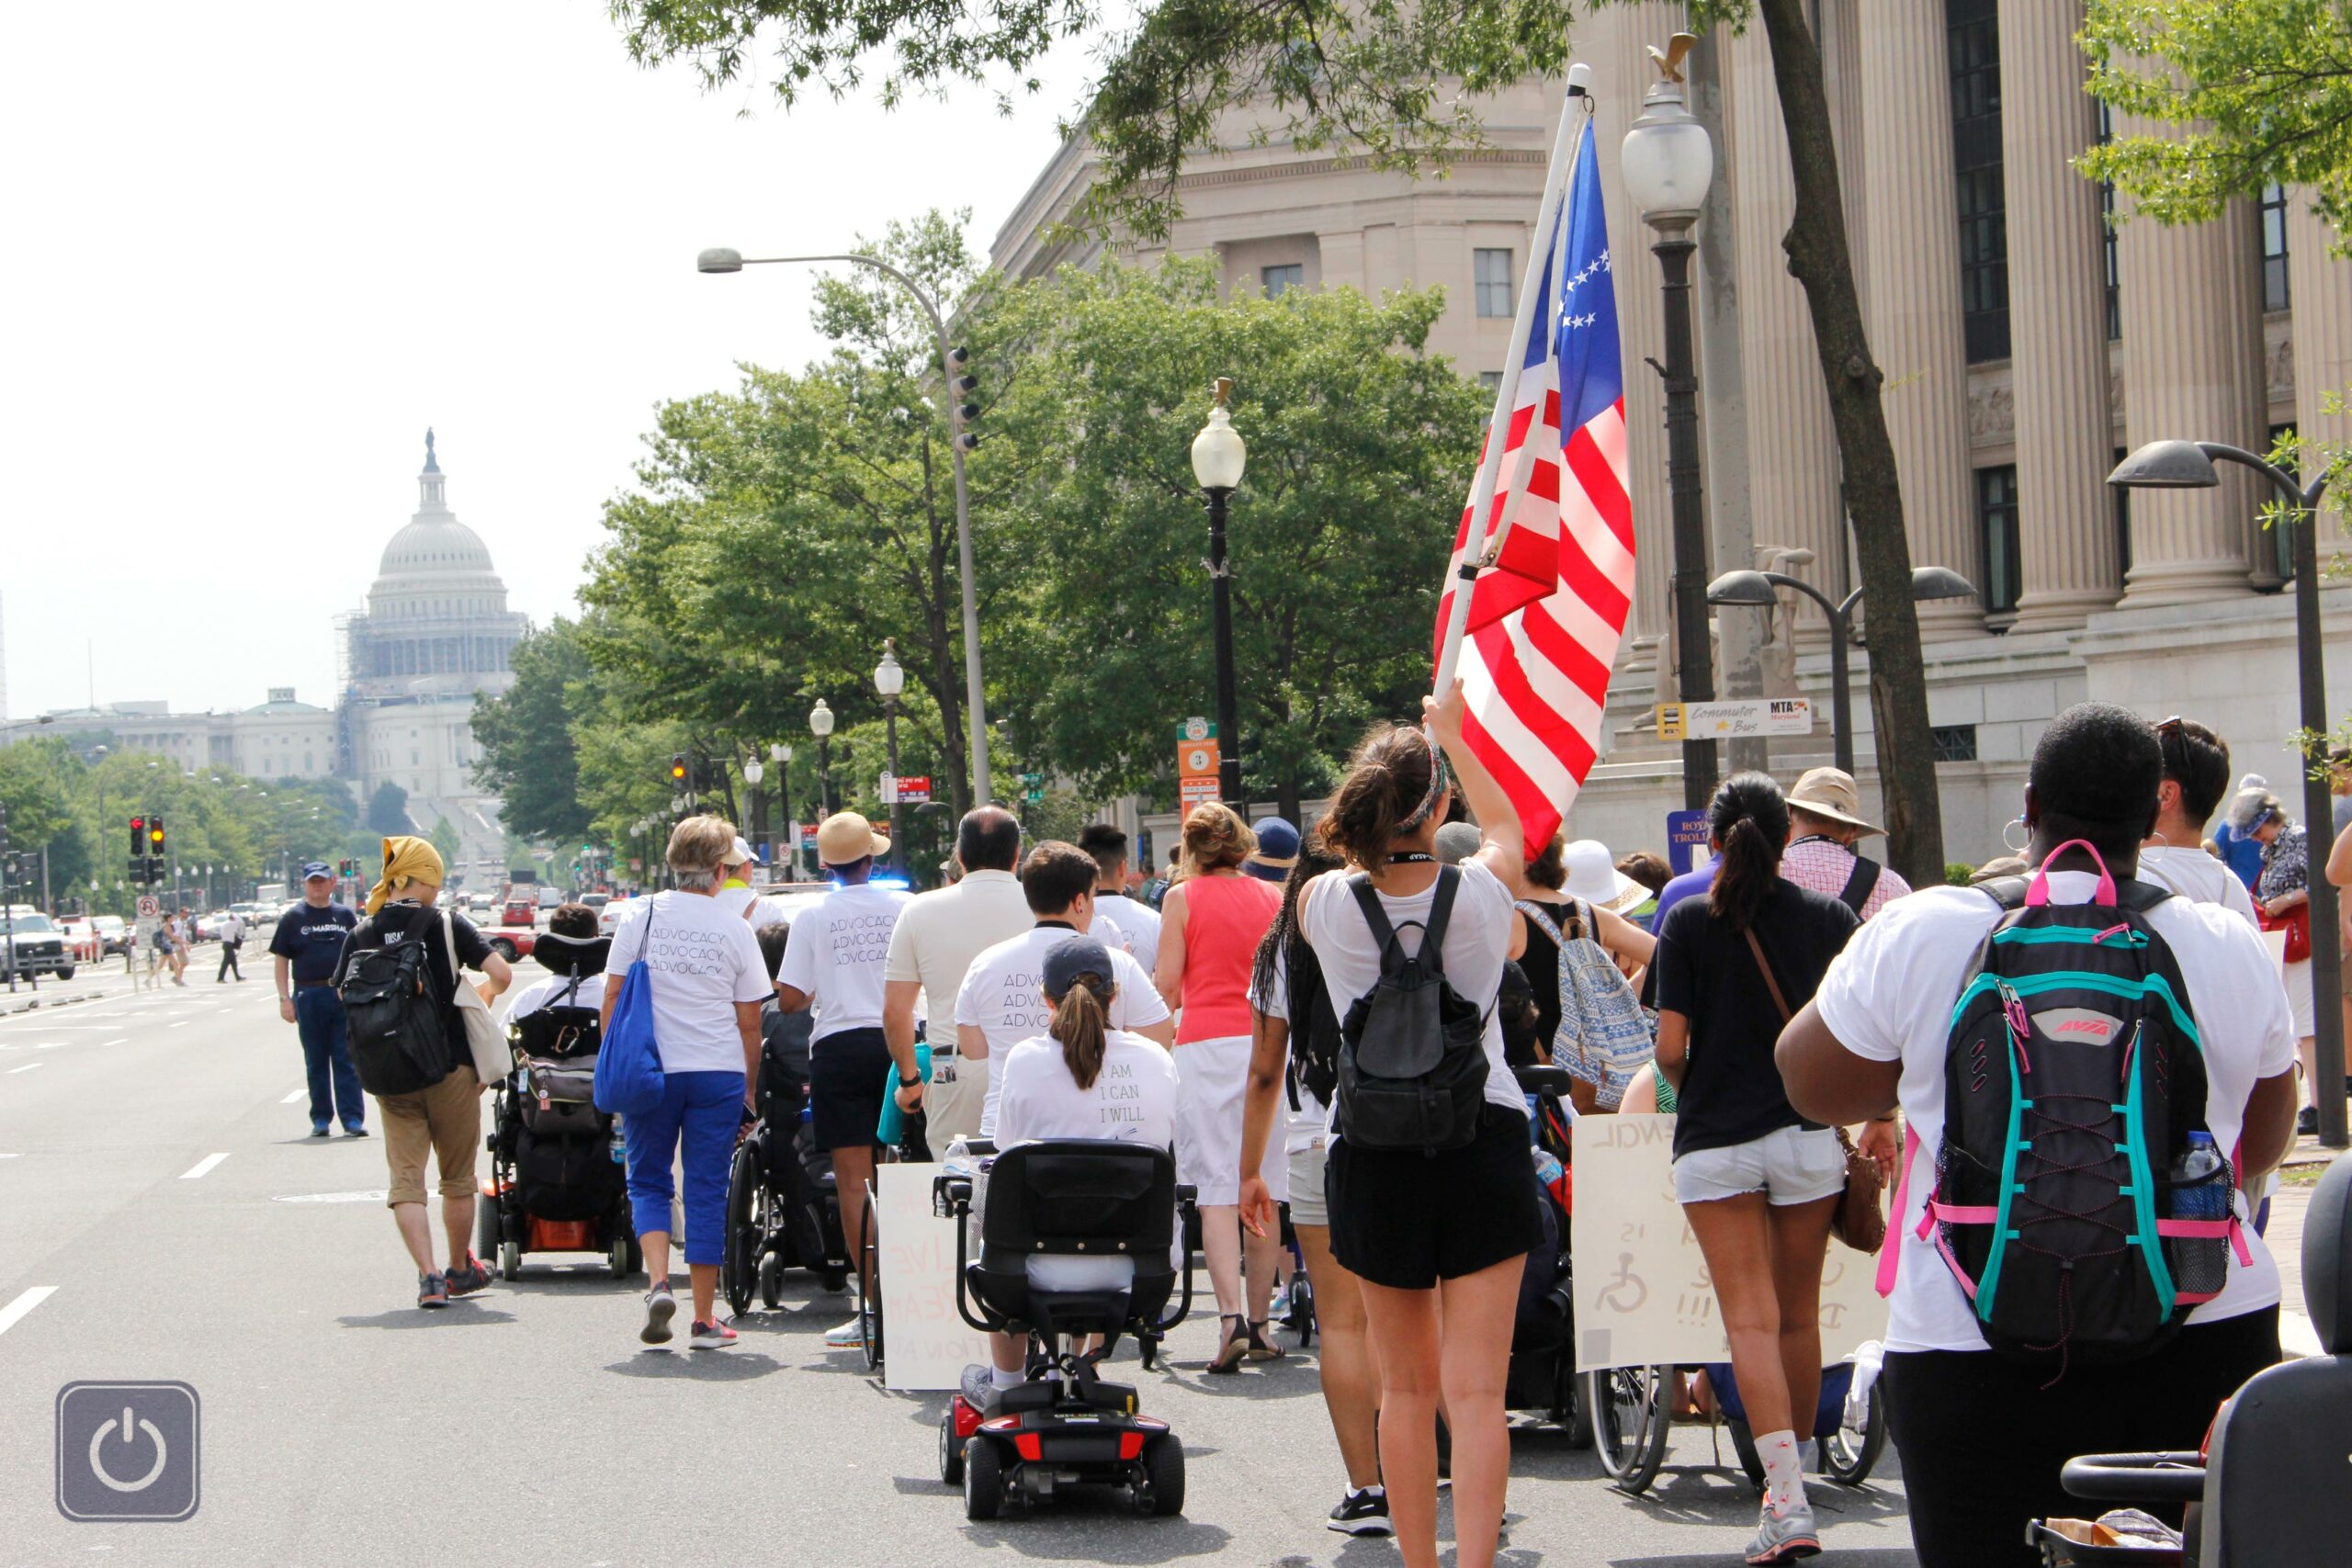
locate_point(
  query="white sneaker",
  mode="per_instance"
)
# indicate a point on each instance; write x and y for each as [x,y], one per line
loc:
[660,1306]
[977,1385]
[850,1335]
[1785,1538]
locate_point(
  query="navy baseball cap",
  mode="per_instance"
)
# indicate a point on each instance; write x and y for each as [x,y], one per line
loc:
[1066,961]
[1277,849]
[316,868]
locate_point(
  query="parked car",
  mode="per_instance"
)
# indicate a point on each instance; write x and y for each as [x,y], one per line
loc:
[80,938]
[116,935]
[595,900]
[34,945]
[520,912]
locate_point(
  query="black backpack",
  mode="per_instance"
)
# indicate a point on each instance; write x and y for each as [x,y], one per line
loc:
[393,1018]
[1313,1062]
[1412,1052]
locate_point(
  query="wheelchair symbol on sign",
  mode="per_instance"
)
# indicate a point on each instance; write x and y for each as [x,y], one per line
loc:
[1626,1280]
[97,1465]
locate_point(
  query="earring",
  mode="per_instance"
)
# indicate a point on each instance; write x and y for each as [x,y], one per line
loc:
[2017,822]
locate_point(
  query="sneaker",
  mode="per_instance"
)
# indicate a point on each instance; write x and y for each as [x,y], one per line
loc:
[349,1132]
[2307,1121]
[432,1290]
[850,1335]
[321,1131]
[466,1280]
[977,1385]
[1785,1538]
[711,1335]
[1361,1512]
[660,1306]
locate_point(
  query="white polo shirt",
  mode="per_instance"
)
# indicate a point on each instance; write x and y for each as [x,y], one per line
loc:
[940,933]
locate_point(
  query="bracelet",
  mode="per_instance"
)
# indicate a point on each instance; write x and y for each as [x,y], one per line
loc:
[906,1082]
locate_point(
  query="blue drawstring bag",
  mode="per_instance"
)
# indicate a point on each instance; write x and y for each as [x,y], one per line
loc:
[629,1080]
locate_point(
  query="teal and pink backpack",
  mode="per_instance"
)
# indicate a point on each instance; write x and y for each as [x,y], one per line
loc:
[2077,1199]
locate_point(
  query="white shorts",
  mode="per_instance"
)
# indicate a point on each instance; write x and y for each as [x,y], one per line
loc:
[1308,1206]
[1210,1075]
[2297,977]
[1794,1165]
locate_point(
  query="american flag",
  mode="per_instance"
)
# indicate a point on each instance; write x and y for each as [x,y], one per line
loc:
[1546,616]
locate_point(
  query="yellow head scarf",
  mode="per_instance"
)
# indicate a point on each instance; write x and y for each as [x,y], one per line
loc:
[406,860]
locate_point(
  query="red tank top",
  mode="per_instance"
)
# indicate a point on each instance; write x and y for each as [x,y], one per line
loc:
[1224,917]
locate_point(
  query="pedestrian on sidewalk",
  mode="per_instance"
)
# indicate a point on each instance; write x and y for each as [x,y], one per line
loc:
[231,932]
[708,981]
[1210,928]
[444,1118]
[305,951]
[182,944]
[1984,1434]
[1758,1183]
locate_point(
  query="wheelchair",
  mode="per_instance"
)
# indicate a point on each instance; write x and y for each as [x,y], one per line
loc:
[782,1208]
[1065,1204]
[2270,1486]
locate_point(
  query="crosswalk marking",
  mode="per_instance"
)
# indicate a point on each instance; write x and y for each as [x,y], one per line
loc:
[203,1167]
[297,1098]
[11,1315]
[28,1066]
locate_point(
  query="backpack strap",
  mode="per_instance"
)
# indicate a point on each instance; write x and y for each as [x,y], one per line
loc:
[2007,893]
[1544,922]
[1383,934]
[1859,884]
[1449,881]
[2140,897]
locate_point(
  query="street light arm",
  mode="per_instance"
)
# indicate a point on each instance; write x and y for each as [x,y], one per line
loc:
[938,323]
[1783,580]
[2279,478]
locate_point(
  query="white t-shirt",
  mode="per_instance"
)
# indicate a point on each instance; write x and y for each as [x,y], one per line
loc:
[1133,1098]
[231,928]
[838,946]
[1002,998]
[540,993]
[1478,935]
[941,932]
[1888,997]
[2199,877]
[1309,1124]
[702,959]
[735,901]
[1131,927]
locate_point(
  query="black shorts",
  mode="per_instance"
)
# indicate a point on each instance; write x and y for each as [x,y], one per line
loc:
[1407,1220]
[847,1073]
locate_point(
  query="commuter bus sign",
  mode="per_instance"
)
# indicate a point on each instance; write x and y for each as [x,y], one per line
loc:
[1739,718]
[1196,763]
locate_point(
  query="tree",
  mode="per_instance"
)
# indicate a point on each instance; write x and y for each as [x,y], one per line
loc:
[528,757]
[444,840]
[388,810]
[2253,92]
[1396,83]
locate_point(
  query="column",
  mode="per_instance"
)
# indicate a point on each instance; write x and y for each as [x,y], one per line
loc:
[2192,370]
[2058,319]
[1913,241]
[2319,292]
[1792,443]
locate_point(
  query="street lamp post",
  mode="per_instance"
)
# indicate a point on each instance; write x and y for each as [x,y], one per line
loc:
[753,774]
[721,259]
[1219,454]
[1670,163]
[1755,589]
[2189,465]
[889,680]
[821,725]
[781,755]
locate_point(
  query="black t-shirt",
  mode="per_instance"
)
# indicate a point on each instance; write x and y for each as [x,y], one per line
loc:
[1731,1090]
[399,922]
[1540,963]
[311,941]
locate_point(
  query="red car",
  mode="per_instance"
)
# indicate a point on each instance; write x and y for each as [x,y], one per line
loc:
[516,932]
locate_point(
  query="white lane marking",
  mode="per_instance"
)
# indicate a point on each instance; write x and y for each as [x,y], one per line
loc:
[181,1024]
[297,1098]
[11,1315]
[28,1066]
[203,1167]
[114,1042]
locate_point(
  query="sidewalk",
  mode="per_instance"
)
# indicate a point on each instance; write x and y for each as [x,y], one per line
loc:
[2285,1236]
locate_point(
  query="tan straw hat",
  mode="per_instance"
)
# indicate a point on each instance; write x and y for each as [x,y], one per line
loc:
[845,837]
[1830,793]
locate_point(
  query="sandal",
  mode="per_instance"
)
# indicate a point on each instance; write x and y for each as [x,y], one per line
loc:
[1261,1348]
[1237,1345]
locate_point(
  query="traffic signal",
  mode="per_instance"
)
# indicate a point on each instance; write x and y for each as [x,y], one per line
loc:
[155,835]
[137,837]
[681,771]
[961,412]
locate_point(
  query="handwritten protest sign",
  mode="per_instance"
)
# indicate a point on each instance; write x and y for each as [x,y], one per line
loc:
[1643,1294]
[927,1345]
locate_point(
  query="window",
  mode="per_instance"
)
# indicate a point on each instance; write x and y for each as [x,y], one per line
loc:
[2280,532]
[2274,248]
[1492,381]
[1953,742]
[2121,496]
[2107,243]
[1280,280]
[1491,270]
[1973,46]
[1997,519]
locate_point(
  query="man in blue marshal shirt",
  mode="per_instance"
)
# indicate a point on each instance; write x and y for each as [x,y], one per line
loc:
[306,947]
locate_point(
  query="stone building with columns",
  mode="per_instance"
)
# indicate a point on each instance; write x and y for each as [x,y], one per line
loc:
[2026,341]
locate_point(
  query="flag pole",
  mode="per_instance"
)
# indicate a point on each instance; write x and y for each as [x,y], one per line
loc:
[1565,145]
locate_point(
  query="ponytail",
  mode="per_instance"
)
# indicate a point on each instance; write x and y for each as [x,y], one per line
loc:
[1749,822]
[1080,1018]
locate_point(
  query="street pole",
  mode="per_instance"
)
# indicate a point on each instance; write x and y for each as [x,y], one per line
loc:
[1228,723]
[898,838]
[1673,250]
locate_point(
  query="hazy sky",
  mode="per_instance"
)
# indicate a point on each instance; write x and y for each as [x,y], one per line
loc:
[257,249]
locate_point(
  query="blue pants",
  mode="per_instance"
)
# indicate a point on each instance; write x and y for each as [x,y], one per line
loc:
[326,1052]
[703,1110]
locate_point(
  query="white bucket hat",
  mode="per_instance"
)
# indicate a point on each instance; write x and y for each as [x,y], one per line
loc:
[1593,876]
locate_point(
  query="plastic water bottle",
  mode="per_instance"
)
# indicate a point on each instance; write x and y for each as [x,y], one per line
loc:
[2195,1194]
[1547,1167]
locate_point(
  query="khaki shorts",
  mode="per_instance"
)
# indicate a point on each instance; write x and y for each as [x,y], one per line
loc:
[445,1119]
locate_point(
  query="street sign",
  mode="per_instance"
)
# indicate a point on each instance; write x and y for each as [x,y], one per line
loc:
[1736,718]
[1196,730]
[889,790]
[1686,840]
[1196,767]
[1194,791]
[149,906]
[914,789]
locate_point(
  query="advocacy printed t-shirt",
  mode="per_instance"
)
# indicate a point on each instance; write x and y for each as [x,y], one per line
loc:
[2198,877]
[311,941]
[1132,928]
[838,947]
[702,959]
[1132,1099]
[1889,997]
[1002,999]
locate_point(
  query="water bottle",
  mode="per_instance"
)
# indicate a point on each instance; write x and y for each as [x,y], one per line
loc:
[2201,1191]
[1547,1167]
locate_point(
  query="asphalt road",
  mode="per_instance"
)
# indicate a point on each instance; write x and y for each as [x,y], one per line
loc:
[157,1182]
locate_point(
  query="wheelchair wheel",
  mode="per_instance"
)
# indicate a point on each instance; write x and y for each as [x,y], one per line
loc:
[485,1228]
[1571,1411]
[510,1260]
[738,1264]
[1848,1455]
[1629,1425]
[1302,1307]
[622,1257]
[951,1449]
[1742,1443]
[983,1479]
[771,1281]
[869,1296]
[1161,1496]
